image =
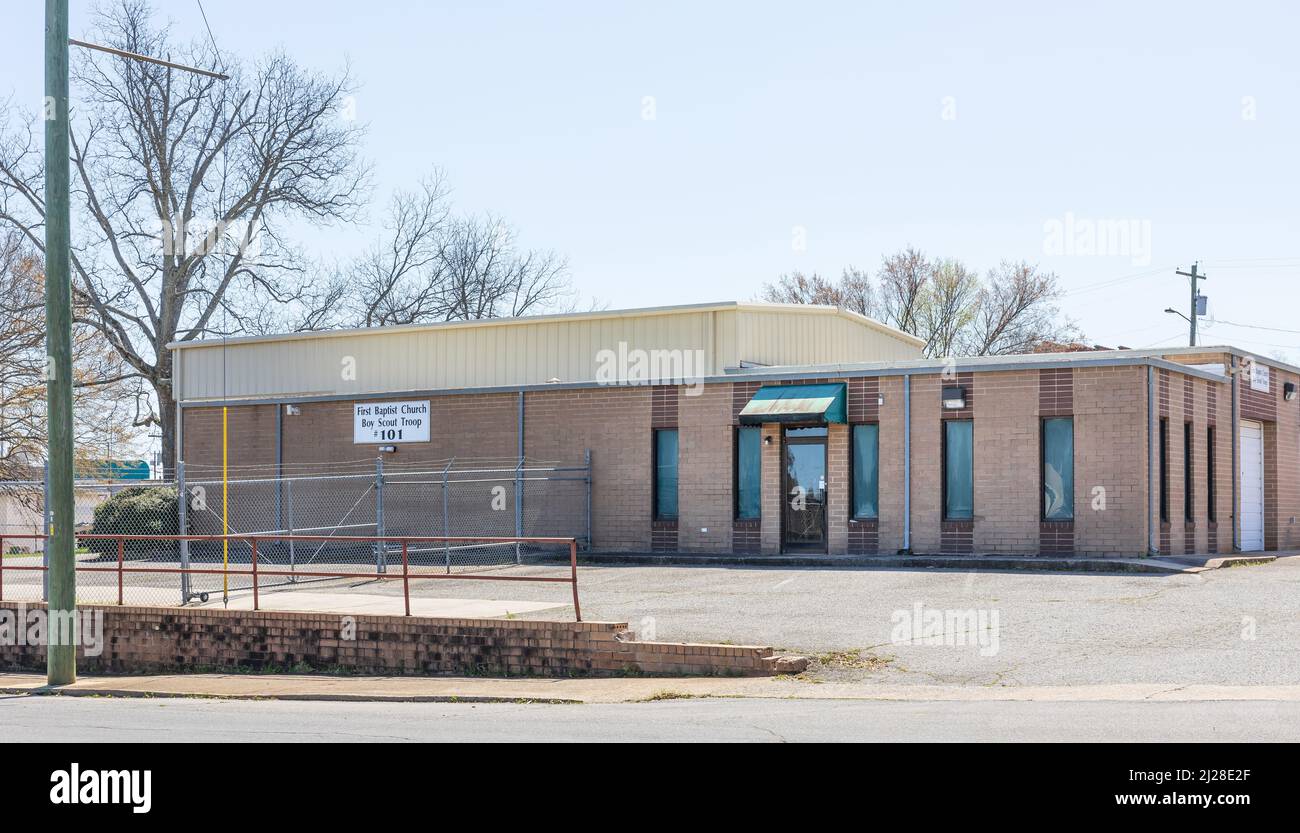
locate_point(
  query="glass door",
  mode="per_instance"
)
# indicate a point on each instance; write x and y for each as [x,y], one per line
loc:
[803,516]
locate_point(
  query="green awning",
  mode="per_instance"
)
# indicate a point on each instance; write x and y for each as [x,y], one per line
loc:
[797,403]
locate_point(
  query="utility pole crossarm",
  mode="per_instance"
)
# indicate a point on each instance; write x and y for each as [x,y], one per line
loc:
[122,53]
[1194,279]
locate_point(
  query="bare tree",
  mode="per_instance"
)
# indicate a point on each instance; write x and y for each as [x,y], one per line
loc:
[946,307]
[487,275]
[433,266]
[107,416]
[903,280]
[944,303]
[1015,313]
[853,291]
[182,184]
[398,280]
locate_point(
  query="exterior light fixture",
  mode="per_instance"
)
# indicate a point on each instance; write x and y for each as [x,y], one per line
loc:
[880,399]
[767,440]
[1288,391]
[954,398]
[292,410]
[387,449]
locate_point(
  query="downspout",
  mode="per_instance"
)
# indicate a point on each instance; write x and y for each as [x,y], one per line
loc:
[907,464]
[1236,467]
[279,466]
[1153,545]
[519,484]
[177,394]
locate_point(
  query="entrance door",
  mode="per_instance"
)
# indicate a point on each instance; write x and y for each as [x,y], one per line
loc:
[1252,486]
[803,516]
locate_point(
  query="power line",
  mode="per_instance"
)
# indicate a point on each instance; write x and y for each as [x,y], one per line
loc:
[1113,282]
[1255,327]
[209,28]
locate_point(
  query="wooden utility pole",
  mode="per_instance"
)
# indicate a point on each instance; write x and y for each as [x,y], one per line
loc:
[61,653]
[60,547]
[1195,280]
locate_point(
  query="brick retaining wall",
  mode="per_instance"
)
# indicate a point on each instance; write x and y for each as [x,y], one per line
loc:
[164,639]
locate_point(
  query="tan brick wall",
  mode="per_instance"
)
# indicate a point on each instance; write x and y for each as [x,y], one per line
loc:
[1109,407]
[892,481]
[1288,465]
[153,639]
[1110,452]
[838,489]
[772,490]
[706,470]
[927,474]
[1007,474]
[615,424]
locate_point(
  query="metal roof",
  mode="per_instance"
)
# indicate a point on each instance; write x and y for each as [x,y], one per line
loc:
[659,345]
[482,323]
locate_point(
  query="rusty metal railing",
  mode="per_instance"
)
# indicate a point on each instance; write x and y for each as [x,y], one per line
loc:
[258,574]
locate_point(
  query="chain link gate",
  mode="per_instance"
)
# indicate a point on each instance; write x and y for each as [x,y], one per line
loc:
[457,497]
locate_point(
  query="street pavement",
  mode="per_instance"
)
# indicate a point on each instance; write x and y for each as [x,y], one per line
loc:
[77,719]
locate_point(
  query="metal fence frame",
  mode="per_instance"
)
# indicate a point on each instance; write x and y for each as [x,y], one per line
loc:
[253,571]
[382,514]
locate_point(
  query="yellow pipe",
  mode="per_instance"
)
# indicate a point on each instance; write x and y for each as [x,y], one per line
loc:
[225,502]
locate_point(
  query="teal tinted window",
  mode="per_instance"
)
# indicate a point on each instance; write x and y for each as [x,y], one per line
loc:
[666,474]
[1058,469]
[958,470]
[866,471]
[749,483]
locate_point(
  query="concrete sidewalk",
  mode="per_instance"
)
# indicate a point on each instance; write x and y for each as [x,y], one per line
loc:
[617,690]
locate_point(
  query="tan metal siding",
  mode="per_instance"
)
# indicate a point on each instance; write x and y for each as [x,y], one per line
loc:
[523,352]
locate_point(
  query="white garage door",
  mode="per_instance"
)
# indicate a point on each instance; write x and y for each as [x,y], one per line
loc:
[1252,486]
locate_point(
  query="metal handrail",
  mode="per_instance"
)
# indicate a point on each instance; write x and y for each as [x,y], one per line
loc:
[257,573]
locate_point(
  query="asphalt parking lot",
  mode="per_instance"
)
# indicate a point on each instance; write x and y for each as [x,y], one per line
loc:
[1231,626]
[1237,626]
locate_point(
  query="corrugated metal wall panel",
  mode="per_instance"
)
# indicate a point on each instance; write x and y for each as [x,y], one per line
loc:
[523,352]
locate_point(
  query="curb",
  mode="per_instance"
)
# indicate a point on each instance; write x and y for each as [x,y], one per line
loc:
[137,694]
[995,563]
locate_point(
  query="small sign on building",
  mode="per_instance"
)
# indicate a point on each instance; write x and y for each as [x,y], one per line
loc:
[1259,377]
[390,422]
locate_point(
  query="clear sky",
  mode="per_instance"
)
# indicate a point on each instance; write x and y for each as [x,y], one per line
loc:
[965,130]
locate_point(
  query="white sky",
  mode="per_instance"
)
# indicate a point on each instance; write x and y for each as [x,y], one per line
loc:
[827,117]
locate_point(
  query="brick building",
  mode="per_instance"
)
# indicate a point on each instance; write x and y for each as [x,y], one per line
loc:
[752,428]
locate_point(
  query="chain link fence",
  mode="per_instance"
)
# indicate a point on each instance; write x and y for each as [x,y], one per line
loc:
[457,497]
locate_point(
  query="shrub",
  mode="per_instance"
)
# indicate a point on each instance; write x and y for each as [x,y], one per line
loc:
[139,510]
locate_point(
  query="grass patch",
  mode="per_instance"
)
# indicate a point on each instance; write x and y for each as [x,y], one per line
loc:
[669,694]
[853,659]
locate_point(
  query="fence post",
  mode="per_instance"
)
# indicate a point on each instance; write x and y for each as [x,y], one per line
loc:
[121,555]
[293,545]
[519,507]
[45,542]
[183,528]
[381,547]
[2,566]
[406,576]
[254,574]
[446,515]
[588,462]
[573,577]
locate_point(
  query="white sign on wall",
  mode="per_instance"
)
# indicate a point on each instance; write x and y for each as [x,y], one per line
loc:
[390,422]
[1258,377]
